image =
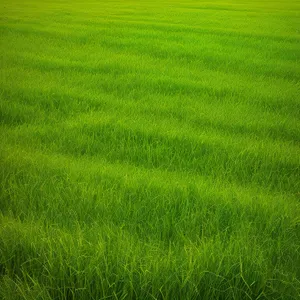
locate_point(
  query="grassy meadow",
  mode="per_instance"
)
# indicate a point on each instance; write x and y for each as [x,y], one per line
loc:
[149,149]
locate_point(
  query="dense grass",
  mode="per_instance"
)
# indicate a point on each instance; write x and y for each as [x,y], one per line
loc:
[149,150]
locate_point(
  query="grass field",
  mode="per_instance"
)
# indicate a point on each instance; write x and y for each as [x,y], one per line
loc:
[149,149]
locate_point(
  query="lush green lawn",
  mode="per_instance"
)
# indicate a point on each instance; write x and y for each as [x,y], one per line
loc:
[149,150]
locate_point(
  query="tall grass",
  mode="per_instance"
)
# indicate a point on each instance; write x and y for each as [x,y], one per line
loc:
[149,150]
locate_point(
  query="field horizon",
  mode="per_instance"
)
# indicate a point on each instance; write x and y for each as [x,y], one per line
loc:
[149,150]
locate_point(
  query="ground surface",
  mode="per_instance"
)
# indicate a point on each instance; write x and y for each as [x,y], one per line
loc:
[149,150]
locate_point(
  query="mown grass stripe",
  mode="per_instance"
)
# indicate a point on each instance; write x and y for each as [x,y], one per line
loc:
[202,155]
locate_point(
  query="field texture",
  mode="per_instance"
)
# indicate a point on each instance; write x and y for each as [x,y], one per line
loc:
[149,149]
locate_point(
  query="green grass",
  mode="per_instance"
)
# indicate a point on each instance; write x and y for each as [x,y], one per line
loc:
[149,149]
